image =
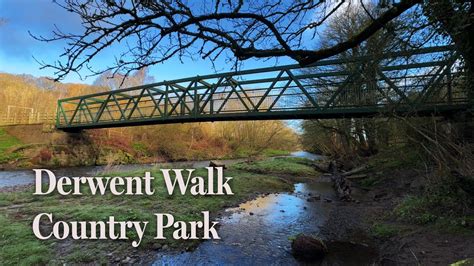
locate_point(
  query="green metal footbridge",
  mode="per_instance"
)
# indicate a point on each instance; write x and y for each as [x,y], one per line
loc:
[425,81]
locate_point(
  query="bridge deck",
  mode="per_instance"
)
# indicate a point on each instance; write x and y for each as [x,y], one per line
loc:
[423,82]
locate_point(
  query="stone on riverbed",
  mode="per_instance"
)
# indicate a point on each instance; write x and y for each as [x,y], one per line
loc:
[313,198]
[308,248]
[216,163]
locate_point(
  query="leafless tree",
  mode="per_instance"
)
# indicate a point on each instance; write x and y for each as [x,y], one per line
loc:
[118,81]
[155,31]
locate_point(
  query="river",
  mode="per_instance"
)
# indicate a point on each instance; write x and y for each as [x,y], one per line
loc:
[24,177]
[257,232]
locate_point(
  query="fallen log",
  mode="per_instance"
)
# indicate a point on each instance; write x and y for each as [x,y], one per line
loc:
[322,166]
[342,187]
[355,170]
[340,183]
[356,176]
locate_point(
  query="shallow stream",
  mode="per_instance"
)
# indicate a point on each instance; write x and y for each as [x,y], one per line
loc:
[258,232]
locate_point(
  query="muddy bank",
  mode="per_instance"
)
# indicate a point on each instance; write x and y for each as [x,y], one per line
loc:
[369,220]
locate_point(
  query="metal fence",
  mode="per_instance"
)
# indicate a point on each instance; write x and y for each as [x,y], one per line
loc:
[26,118]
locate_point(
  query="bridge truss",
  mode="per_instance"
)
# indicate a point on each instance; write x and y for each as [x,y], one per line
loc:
[418,82]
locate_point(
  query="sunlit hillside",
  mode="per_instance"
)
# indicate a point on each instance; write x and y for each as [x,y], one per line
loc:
[25,99]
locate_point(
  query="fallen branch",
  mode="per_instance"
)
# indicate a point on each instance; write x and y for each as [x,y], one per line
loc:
[342,187]
[323,166]
[356,176]
[355,170]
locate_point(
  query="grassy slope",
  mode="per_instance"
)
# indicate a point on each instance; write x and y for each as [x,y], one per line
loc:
[244,185]
[18,245]
[6,142]
[440,208]
[287,166]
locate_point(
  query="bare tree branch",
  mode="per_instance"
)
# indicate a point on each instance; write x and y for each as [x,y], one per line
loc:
[156,31]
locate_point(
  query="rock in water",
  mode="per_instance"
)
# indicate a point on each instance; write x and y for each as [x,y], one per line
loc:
[217,164]
[308,248]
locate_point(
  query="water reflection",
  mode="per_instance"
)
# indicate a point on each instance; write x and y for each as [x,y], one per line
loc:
[258,231]
[305,154]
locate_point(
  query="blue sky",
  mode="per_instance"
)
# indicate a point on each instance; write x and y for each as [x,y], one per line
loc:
[17,47]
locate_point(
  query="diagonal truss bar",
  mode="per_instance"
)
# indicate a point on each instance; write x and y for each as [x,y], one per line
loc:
[272,85]
[303,89]
[395,82]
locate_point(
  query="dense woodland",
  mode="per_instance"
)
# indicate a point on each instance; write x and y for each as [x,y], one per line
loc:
[367,136]
[440,148]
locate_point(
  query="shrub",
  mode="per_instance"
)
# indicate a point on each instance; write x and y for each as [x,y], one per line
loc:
[45,155]
[384,230]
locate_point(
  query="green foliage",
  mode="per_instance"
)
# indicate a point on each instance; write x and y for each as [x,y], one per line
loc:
[273,152]
[416,209]
[465,262]
[388,160]
[243,152]
[85,256]
[18,244]
[396,157]
[370,181]
[384,230]
[5,158]
[289,166]
[455,225]
[111,156]
[6,142]
[140,148]
[441,207]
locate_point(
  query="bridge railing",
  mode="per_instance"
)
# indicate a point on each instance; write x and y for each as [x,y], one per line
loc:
[411,81]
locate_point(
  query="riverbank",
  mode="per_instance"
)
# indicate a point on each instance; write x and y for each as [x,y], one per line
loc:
[392,212]
[386,223]
[19,207]
[41,145]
